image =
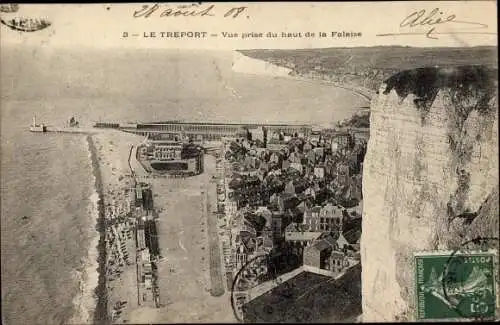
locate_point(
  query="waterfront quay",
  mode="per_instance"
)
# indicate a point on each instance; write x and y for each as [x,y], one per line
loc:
[202,130]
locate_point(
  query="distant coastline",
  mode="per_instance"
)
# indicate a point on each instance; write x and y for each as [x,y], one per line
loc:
[366,94]
[364,69]
[243,63]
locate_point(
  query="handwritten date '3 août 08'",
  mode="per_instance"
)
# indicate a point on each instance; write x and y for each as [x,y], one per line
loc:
[433,19]
[187,10]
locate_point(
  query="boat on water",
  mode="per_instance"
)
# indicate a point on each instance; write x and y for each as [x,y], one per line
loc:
[26,24]
[37,127]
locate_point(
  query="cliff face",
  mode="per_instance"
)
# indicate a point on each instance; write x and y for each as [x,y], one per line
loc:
[430,178]
[245,64]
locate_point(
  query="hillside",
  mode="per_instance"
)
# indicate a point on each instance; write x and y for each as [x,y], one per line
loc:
[368,67]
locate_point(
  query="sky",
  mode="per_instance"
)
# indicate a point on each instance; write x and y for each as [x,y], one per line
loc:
[103,25]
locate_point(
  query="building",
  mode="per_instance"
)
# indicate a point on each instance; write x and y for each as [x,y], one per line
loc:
[342,173]
[243,240]
[276,145]
[285,164]
[311,158]
[316,254]
[265,242]
[321,219]
[319,172]
[337,262]
[307,147]
[163,150]
[284,201]
[320,153]
[276,227]
[294,157]
[342,243]
[311,219]
[230,206]
[274,158]
[139,200]
[334,146]
[142,152]
[331,217]
[315,137]
[324,254]
[297,167]
[145,276]
[298,233]
[361,135]
[207,130]
[144,267]
[171,157]
[257,133]
[342,141]
[296,186]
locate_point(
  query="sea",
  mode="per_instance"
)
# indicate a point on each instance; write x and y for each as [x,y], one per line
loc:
[48,199]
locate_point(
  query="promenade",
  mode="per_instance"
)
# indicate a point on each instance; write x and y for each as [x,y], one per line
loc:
[189,276]
[209,206]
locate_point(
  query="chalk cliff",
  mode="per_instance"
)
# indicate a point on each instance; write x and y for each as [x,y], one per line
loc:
[245,64]
[430,178]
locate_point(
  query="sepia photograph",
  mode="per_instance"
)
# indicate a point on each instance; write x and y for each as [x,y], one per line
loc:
[270,162]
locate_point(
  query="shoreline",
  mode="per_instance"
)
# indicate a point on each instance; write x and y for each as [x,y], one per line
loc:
[350,88]
[117,287]
[101,309]
[275,71]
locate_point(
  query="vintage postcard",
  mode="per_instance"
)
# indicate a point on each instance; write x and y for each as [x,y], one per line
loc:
[243,162]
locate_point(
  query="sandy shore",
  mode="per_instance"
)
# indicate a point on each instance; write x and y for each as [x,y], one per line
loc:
[359,91]
[97,251]
[117,283]
[184,275]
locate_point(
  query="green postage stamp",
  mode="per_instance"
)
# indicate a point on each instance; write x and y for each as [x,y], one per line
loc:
[455,285]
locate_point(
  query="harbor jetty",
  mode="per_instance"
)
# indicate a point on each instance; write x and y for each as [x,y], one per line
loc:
[73,126]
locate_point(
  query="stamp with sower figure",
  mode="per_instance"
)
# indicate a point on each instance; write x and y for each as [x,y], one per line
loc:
[459,284]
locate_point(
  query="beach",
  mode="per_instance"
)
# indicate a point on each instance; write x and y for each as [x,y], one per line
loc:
[186,280]
[90,279]
[117,280]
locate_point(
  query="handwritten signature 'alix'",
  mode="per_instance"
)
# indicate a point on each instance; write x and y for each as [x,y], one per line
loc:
[433,20]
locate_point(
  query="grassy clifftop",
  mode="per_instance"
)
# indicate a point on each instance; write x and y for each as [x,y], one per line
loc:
[368,67]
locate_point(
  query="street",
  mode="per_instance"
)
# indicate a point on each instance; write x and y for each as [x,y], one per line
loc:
[186,279]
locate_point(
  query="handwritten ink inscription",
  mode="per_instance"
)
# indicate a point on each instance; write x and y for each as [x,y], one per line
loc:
[191,10]
[427,23]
